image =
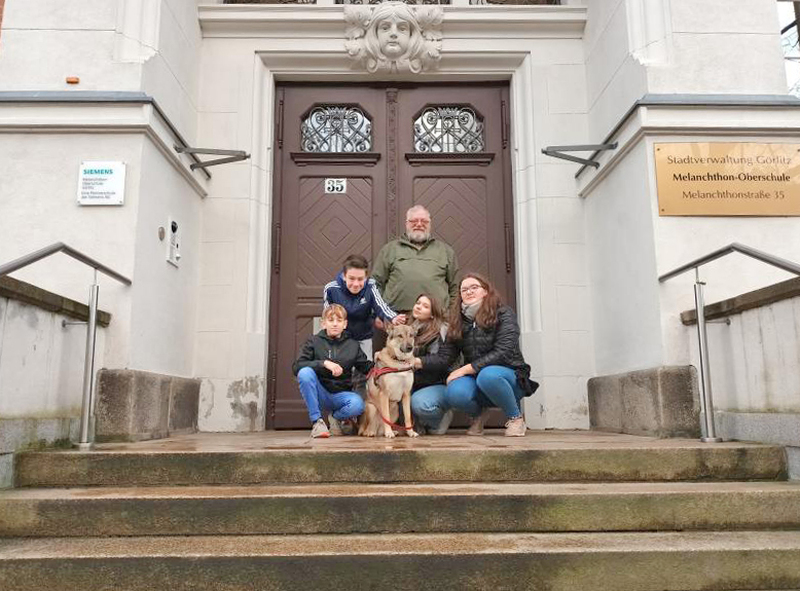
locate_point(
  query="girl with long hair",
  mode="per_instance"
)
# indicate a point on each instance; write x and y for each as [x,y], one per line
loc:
[494,373]
[432,360]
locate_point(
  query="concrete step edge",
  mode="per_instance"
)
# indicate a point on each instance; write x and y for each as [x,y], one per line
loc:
[397,544]
[413,489]
[585,464]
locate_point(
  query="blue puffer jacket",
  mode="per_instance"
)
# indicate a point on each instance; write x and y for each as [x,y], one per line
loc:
[362,308]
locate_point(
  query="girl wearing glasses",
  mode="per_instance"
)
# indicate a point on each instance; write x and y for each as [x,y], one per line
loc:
[495,374]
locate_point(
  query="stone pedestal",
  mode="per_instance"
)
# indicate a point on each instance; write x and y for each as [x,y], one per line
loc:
[657,402]
[136,405]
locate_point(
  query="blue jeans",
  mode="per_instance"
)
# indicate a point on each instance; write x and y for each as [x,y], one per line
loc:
[495,385]
[345,405]
[428,405]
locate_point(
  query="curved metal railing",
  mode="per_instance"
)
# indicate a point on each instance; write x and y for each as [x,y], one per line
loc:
[702,338]
[87,406]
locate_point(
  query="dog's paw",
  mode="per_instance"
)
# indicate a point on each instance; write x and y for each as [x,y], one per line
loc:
[412,433]
[389,434]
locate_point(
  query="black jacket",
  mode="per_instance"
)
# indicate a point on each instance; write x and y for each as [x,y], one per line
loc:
[497,345]
[344,351]
[437,358]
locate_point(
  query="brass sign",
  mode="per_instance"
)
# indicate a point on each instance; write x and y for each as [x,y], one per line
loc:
[728,179]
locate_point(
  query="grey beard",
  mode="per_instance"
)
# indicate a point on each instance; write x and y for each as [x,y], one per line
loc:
[419,237]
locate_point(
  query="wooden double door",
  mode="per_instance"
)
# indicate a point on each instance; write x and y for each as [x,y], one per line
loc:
[349,161]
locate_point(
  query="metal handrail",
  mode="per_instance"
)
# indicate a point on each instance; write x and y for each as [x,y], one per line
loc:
[87,406]
[702,337]
[734,247]
[38,255]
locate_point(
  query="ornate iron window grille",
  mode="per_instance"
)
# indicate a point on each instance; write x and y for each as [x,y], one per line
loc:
[336,128]
[448,130]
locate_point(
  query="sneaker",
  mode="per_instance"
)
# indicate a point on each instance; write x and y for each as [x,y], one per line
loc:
[476,428]
[516,427]
[345,427]
[444,424]
[320,429]
[335,426]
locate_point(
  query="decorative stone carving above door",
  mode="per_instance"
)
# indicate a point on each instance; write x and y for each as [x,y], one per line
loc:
[394,37]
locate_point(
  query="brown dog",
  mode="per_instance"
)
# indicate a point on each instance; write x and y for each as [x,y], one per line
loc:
[385,392]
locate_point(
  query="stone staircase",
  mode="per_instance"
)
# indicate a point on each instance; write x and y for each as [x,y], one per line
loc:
[551,511]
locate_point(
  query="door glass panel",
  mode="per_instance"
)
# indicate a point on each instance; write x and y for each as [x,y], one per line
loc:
[448,130]
[336,128]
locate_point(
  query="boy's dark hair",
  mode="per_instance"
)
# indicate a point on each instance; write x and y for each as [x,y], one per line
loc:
[355,261]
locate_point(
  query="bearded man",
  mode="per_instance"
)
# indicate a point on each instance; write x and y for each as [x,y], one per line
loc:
[416,263]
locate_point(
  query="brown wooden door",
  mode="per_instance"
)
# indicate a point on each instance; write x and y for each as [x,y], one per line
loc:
[469,197]
[468,194]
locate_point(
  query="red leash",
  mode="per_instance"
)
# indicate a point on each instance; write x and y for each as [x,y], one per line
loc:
[377,372]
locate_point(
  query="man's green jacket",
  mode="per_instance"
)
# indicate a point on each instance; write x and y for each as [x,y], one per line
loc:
[404,270]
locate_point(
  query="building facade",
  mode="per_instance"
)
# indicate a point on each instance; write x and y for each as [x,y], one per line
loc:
[578,249]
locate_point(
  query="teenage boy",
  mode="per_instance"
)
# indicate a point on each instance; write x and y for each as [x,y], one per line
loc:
[324,370]
[359,295]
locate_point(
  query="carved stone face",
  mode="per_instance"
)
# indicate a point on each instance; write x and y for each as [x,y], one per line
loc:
[394,35]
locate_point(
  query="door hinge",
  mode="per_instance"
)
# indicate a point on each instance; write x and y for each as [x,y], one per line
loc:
[276,250]
[509,248]
[272,388]
[504,126]
[279,122]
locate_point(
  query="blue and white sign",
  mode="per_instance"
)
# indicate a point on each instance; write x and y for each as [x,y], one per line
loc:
[101,183]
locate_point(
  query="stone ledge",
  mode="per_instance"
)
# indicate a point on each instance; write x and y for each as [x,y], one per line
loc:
[135,405]
[35,296]
[747,301]
[37,433]
[657,402]
[780,428]
[6,468]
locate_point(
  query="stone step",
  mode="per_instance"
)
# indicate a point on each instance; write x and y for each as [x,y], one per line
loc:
[553,562]
[404,461]
[399,508]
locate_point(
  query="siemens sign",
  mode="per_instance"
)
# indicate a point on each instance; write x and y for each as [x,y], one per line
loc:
[101,183]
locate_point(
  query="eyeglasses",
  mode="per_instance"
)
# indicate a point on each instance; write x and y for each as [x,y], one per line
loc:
[471,289]
[418,222]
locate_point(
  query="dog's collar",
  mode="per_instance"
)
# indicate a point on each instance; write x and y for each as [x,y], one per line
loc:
[377,372]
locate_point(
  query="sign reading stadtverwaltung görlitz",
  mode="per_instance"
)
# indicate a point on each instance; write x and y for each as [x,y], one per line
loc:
[101,183]
[728,179]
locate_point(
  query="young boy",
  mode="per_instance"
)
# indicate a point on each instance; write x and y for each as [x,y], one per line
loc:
[359,295]
[324,372]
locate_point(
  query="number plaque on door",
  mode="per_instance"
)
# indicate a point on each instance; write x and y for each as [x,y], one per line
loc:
[337,186]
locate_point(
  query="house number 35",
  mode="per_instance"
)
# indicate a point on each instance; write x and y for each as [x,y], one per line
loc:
[336,185]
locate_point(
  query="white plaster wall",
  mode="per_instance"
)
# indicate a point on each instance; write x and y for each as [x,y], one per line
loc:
[44,41]
[41,362]
[114,45]
[558,343]
[171,73]
[615,78]
[721,47]
[755,361]
[164,297]
[622,263]
[38,193]
[231,337]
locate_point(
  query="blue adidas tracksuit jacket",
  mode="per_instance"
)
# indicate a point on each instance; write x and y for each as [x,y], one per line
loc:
[362,308]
